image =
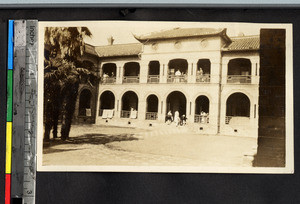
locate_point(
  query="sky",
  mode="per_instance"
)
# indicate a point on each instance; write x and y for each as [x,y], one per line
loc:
[123,32]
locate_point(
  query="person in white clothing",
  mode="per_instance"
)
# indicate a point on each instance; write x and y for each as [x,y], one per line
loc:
[176,118]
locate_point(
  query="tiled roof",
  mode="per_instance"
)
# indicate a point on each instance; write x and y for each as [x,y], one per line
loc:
[243,43]
[90,49]
[181,32]
[119,50]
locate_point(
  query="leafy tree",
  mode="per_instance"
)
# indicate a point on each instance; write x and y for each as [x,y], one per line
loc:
[63,72]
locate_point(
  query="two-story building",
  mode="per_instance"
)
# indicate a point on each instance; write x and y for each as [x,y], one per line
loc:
[204,74]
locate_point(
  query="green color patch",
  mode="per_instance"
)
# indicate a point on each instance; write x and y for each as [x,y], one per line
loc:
[9,95]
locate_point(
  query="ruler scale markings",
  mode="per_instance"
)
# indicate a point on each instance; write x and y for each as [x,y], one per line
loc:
[30,111]
[18,108]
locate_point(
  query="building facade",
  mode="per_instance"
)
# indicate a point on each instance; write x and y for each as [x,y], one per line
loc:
[202,73]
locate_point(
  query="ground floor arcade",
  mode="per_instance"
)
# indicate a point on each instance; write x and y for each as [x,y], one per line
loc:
[208,109]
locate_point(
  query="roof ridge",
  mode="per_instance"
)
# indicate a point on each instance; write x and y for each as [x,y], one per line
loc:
[246,36]
[118,44]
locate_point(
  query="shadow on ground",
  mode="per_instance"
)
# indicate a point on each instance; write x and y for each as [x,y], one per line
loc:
[85,139]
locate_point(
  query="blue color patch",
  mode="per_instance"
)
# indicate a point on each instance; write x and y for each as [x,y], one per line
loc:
[10,44]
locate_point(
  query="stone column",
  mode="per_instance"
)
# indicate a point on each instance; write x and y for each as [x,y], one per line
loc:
[254,71]
[118,106]
[142,110]
[160,116]
[215,67]
[192,67]
[144,72]
[119,73]
[163,71]
[224,70]
[101,70]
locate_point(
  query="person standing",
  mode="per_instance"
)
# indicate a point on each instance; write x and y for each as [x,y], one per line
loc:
[169,118]
[176,118]
[177,75]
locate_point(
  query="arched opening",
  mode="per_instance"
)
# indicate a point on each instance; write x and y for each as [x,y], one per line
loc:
[239,71]
[237,105]
[129,105]
[152,107]
[107,104]
[203,70]
[85,103]
[201,110]
[178,70]
[153,72]
[109,71]
[176,101]
[131,72]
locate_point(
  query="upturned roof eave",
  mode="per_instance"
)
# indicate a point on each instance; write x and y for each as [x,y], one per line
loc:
[221,33]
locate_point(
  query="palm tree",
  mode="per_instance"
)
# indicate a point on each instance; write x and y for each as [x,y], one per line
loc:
[63,48]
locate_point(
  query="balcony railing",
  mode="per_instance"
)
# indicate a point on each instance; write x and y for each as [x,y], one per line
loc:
[151,115]
[129,114]
[201,119]
[125,114]
[106,113]
[131,79]
[108,80]
[239,79]
[177,79]
[203,78]
[153,79]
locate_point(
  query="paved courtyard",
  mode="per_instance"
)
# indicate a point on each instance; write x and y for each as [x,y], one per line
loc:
[164,146]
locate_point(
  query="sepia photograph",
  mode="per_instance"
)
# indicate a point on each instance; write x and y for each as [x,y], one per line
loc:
[145,96]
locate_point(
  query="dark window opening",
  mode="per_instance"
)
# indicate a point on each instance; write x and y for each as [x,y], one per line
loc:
[131,69]
[203,66]
[202,105]
[239,66]
[238,104]
[176,101]
[110,69]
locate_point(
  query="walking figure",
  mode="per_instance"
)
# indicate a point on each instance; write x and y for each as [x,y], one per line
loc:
[183,120]
[176,118]
[169,118]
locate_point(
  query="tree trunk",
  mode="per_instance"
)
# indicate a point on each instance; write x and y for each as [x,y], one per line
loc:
[69,94]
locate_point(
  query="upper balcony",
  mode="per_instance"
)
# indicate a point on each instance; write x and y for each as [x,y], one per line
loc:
[205,78]
[239,79]
[108,80]
[153,79]
[131,79]
[177,79]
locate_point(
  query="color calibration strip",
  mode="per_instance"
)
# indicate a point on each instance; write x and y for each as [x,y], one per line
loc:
[9,112]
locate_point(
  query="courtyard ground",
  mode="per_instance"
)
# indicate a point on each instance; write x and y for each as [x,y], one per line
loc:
[165,146]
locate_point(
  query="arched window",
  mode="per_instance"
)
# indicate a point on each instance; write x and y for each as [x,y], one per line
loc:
[129,105]
[153,72]
[131,72]
[152,107]
[203,70]
[176,101]
[178,70]
[201,110]
[109,71]
[239,71]
[238,104]
[107,101]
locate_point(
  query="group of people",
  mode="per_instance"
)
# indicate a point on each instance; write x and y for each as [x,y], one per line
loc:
[177,119]
[203,118]
[105,76]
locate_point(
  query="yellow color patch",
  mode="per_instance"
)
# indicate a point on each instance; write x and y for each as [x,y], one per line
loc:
[8,147]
